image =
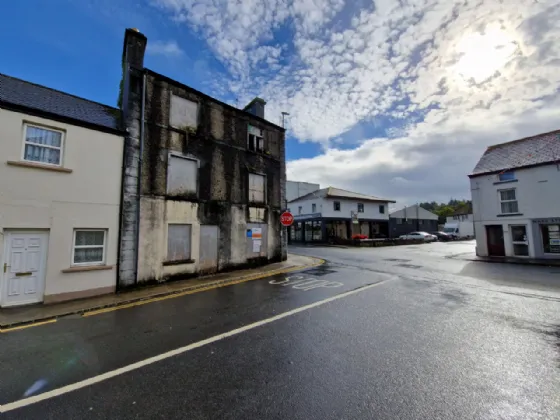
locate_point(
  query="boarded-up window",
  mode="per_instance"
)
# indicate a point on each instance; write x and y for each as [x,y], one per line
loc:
[178,242]
[255,139]
[184,113]
[182,175]
[256,188]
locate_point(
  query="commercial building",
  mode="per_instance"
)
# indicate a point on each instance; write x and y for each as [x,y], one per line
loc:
[60,192]
[296,189]
[204,182]
[331,214]
[411,219]
[516,198]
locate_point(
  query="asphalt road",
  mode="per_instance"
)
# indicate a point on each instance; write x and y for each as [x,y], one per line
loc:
[410,332]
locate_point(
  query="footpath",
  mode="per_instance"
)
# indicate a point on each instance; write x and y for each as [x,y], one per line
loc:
[11,318]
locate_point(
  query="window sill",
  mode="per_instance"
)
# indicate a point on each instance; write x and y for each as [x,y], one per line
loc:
[38,166]
[509,215]
[177,262]
[505,182]
[78,269]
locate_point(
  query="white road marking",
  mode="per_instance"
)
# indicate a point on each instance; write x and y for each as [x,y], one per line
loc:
[305,283]
[129,368]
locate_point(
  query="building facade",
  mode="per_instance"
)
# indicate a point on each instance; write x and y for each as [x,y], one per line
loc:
[296,189]
[60,189]
[204,182]
[516,199]
[412,219]
[331,214]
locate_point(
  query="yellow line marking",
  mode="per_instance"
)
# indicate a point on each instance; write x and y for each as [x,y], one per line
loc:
[22,327]
[202,289]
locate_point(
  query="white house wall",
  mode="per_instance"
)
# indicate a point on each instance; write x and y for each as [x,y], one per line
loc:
[59,202]
[538,196]
[325,206]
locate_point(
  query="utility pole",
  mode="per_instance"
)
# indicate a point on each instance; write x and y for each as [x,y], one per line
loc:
[283,118]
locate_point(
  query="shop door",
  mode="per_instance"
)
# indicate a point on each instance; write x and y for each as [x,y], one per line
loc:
[495,240]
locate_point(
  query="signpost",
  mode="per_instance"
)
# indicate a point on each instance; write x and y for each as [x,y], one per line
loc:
[287,219]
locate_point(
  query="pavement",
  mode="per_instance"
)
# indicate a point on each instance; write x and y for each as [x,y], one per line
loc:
[17,317]
[403,332]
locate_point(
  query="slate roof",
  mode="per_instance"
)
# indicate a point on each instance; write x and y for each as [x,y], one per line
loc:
[531,151]
[24,95]
[331,192]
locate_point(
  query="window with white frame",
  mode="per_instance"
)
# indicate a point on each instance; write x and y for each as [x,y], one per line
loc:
[255,139]
[257,192]
[360,207]
[184,113]
[43,145]
[182,175]
[313,208]
[300,210]
[336,206]
[508,201]
[179,242]
[89,247]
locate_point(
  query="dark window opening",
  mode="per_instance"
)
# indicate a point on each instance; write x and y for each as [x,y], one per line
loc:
[134,84]
[336,206]
[381,209]
[360,207]
[256,143]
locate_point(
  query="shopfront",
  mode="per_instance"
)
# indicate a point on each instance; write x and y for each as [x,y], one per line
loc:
[313,228]
[547,237]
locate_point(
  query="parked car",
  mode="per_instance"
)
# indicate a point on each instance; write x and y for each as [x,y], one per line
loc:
[442,236]
[427,237]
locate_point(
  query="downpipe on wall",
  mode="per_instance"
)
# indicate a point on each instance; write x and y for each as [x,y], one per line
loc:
[139,186]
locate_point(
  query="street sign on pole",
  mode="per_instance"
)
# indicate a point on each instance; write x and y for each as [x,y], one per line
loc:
[287,219]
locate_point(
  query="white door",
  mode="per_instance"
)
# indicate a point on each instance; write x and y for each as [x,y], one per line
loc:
[24,268]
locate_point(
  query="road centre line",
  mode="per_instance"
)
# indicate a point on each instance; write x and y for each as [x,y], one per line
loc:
[129,368]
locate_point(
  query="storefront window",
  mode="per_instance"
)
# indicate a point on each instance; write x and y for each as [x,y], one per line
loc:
[317,236]
[551,238]
[298,232]
[308,231]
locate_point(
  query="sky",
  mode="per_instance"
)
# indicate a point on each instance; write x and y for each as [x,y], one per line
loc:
[394,98]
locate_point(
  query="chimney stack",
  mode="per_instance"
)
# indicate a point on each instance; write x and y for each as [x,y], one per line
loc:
[256,107]
[134,48]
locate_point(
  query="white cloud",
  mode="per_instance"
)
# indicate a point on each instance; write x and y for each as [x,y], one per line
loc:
[458,76]
[166,48]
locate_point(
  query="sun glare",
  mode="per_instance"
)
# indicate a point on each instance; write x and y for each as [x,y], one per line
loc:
[484,53]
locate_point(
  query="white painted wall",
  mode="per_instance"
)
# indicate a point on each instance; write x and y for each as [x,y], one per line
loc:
[89,197]
[325,206]
[460,218]
[296,189]
[538,196]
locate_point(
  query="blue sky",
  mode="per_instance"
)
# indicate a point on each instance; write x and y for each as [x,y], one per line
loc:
[395,98]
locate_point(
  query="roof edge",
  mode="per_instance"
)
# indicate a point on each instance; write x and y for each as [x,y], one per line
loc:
[497,171]
[58,91]
[182,85]
[494,146]
[60,118]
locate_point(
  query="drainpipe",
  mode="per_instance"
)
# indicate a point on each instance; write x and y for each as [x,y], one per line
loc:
[139,187]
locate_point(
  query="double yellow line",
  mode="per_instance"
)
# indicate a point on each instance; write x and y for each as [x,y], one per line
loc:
[169,296]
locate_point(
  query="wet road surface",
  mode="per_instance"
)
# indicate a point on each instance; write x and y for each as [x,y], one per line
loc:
[436,337]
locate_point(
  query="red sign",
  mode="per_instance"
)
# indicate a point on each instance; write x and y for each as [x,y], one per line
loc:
[286,219]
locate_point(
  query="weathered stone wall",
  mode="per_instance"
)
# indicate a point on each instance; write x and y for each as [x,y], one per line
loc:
[220,146]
